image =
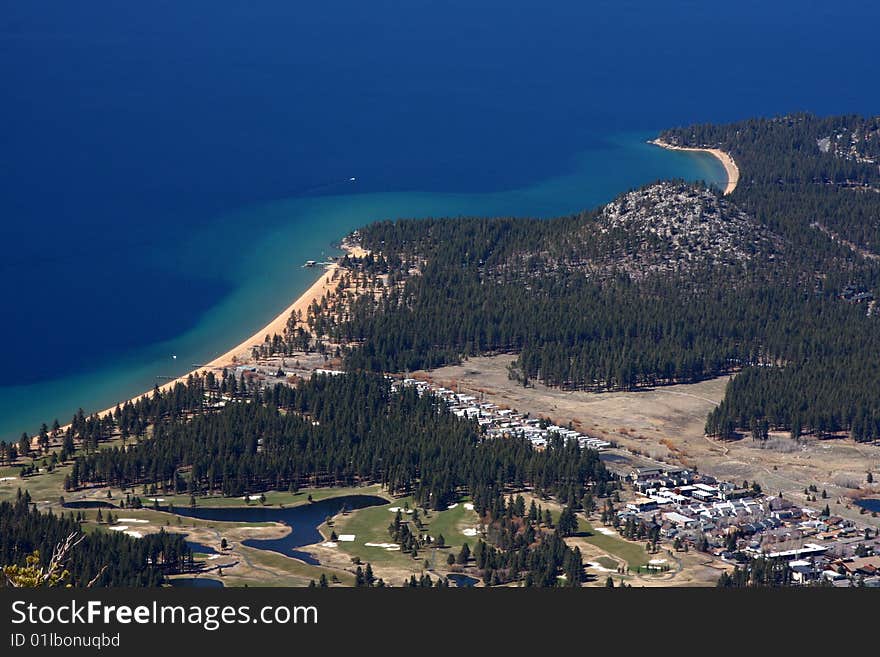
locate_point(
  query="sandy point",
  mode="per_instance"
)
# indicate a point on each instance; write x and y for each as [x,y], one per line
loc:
[726,160]
[241,353]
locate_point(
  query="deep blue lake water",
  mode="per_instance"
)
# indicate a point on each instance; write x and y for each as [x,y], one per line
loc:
[303,521]
[167,166]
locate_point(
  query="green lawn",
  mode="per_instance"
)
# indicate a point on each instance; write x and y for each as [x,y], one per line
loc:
[633,553]
[157,520]
[449,523]
[293,572]
[371,526]
[300,573]
[607,562]
[273,498]
[46,486]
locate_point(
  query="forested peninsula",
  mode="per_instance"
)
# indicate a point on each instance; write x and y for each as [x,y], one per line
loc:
[670,283]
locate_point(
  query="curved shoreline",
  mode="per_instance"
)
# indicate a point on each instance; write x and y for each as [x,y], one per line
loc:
[240,353]
[726,160]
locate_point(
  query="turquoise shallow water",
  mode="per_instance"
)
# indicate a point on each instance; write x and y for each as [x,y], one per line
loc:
[257,253]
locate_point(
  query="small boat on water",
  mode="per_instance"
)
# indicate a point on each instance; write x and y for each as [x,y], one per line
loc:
[310,263]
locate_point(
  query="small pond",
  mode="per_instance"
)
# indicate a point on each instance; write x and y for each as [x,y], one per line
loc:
[89,504]
[462,581]
[303,520]
[869,504]
[201,548]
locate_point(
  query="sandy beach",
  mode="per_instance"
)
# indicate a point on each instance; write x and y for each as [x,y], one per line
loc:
[729,165]
[241,352]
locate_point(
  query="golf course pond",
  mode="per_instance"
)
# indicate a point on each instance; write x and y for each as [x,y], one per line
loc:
[303,521]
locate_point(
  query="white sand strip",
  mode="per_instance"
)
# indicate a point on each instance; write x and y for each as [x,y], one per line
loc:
[241,352]
[730,167]
[600,568]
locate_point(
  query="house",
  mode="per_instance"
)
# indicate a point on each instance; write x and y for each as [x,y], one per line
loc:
[735,493]
[679,476]
[640,474]
[814,526]
[832,575]
[643,486]
[679,520]
[803,571]
[642,504]
[866,566]
[808,550]
[669,532]
[670,497]
[828,536]
[780,504]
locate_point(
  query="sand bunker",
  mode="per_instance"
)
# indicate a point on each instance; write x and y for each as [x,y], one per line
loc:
[136,520]
[134,534]
[118,528]
[468,506]
[599,567]
[470,531]
[606,531]
[387,546]
[329,544]
[345,538]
